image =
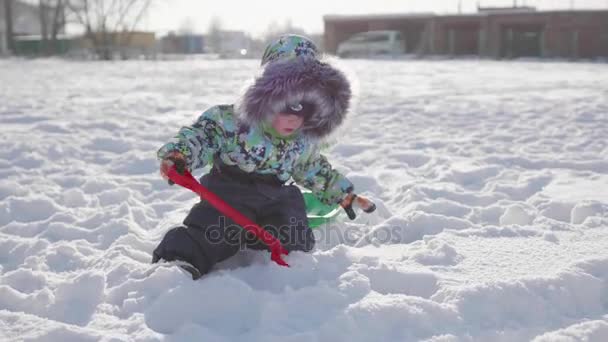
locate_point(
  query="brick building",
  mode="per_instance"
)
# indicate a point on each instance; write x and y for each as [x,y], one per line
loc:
[494,33]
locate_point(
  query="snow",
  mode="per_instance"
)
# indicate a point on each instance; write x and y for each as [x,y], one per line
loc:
[491,181]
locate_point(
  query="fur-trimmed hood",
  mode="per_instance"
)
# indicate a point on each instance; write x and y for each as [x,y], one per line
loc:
[291,81]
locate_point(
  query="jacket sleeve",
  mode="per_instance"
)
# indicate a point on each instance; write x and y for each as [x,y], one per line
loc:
[315,173]
[199,142]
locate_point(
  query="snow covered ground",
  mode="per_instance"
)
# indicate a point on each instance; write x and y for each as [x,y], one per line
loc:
[491,180]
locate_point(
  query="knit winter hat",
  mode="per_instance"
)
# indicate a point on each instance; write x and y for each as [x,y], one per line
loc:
[293,76]
[289,47]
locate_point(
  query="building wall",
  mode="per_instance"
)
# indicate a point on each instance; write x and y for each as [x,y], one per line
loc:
[499,27]
[566,34]
[121,44]
[339,31]
[412,29]
[232,42]
[584,35]
[183,44]
[456,35]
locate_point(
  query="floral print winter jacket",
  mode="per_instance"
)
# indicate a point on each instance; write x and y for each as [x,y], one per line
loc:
[254,149]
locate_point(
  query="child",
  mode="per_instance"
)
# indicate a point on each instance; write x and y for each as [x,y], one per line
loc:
[255,148]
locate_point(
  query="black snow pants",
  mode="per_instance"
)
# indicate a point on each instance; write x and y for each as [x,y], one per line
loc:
[208,237]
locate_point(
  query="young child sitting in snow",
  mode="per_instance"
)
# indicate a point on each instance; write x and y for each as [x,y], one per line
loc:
[255,147]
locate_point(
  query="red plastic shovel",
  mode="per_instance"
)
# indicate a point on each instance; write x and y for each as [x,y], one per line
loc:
[188,181]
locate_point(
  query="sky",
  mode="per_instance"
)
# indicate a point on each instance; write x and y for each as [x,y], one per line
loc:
[256,16]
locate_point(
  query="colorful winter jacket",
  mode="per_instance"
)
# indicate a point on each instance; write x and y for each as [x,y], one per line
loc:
[258,149]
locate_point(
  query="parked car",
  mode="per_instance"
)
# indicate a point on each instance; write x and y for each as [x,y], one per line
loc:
[372,43]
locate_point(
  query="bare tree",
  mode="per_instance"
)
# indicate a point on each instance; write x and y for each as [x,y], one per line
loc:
[58,21]
[108,24]
[8,18]
[44,24]
[52,21]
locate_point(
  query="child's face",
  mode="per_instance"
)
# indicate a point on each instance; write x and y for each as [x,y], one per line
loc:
[285,124]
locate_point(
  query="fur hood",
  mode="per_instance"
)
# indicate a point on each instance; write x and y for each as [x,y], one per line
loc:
[291,81]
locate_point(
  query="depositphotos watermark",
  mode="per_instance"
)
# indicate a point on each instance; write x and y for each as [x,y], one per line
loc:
[297,233]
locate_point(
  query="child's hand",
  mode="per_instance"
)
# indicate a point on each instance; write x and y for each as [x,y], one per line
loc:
[365,204]
[173,158]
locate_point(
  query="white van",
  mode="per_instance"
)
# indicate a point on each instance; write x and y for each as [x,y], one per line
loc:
[372,43]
